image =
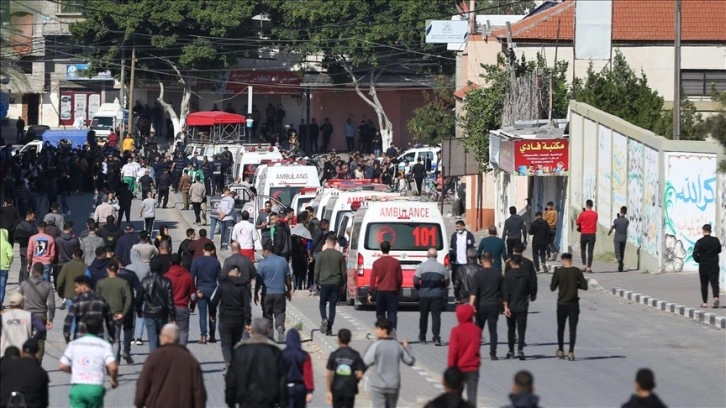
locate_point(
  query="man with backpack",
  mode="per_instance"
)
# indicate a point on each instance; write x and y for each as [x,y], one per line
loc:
[280,235]
[345,369]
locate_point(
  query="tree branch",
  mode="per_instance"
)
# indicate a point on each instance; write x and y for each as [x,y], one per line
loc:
[176,69]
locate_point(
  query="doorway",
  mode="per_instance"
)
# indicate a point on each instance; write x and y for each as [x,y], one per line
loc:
[31,108]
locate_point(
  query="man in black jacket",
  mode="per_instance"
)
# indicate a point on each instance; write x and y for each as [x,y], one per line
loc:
[517,291]
[124,202]
[234,297]
[540,232]
[280,236]
[155,303]
[486,296]
[515,230]
[432,281]
[110,232]
[163,186]
[568,280]
[125,242]
[705,252]
[9,218]
[257,376]
[23,232]
[460,242]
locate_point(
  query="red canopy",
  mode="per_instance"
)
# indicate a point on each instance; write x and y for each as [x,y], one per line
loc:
[212,118]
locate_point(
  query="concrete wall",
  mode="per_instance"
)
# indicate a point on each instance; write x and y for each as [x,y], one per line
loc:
[655,61]
[671,189]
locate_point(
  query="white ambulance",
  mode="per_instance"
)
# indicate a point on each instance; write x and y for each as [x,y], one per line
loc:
[411,225]
[283,181]
[250,157]
[303,199]
[348,201]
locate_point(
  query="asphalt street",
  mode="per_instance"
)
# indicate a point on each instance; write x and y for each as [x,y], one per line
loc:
[615,338]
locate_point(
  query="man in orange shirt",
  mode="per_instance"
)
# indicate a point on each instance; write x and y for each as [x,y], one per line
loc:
[386,281]
[587,225]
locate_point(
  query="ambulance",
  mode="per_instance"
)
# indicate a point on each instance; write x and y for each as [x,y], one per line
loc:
[320,202]
[303,199]
[250,157]
[411,225]
[348,201]
[283,181]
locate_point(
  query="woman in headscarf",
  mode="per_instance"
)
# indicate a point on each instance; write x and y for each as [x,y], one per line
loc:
[163,236]
[299,368]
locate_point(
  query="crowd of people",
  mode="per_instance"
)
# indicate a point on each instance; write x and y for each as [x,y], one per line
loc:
[116,282]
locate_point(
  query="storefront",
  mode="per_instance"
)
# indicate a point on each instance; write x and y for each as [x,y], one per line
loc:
[81,96]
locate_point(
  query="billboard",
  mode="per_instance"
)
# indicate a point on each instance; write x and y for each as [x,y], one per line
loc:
[446,31]
[548,157]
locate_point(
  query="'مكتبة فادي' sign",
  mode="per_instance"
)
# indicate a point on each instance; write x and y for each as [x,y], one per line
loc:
[547,157]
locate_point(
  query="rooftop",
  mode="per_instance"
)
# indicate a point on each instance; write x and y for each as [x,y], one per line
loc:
[633,21]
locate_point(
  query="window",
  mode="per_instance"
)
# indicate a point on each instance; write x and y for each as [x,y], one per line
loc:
[698,82]
[404,236]
[70,6]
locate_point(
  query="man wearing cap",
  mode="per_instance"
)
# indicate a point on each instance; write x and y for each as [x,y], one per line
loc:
[23,375]
[41,248]
[705,252]
[17,325]
[51,228]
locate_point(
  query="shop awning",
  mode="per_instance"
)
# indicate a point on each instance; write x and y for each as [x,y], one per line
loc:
[212,118]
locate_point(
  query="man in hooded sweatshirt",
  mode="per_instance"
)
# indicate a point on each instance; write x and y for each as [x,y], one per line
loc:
[464,344]
[644,396]
[299,369]
[90,243]
[125,242]
[522,395]
[39,300]
[97,269]
[6,260]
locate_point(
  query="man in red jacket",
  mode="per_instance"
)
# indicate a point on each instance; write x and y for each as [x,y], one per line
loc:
[464,343]
[587,225]
[386,281]
[182,286]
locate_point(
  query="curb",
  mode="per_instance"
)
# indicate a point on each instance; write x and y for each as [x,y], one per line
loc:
[700,316]
[326,343]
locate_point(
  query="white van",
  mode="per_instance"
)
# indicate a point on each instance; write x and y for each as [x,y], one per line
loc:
[107,118]
[250,157]
[284,181]
[426,153]
[303,199]
[346,202]
[411,225]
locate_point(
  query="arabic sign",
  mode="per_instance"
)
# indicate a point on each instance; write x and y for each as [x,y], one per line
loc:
[266,82]
[446,31]
[541,157]
[76,72]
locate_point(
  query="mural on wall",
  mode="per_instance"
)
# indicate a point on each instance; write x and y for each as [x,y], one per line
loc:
[635,191]
[619,174]
[576,158]
[722,208]
[689,201]
[589,167]
[652,225]
[605,211]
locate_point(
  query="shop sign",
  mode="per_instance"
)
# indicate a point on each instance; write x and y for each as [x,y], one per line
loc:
[548,157]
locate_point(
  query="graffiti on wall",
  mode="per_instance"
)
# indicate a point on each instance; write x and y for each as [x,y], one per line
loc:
[604,188]
[722,208]
[689,201]
[650,242]
[635,191]
[576,158]
[619,174]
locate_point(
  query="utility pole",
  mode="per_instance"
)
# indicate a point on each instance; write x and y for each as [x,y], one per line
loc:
[677,77]
[123,88]
[472,17]
[510,55]
[131,88]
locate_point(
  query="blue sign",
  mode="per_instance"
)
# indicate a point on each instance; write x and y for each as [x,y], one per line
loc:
[75,72]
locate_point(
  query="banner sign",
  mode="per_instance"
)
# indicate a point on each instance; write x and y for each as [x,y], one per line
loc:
[446,31]
[265,82]
[76,72]
[548,157]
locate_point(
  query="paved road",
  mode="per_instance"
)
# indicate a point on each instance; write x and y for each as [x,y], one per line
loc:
[210,355]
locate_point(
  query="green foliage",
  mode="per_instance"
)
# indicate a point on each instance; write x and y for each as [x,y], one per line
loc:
[620,91]
[8,62]
[435,120]
[715,125]
[504,7]
[374,33]
[483,106]
[165,33]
